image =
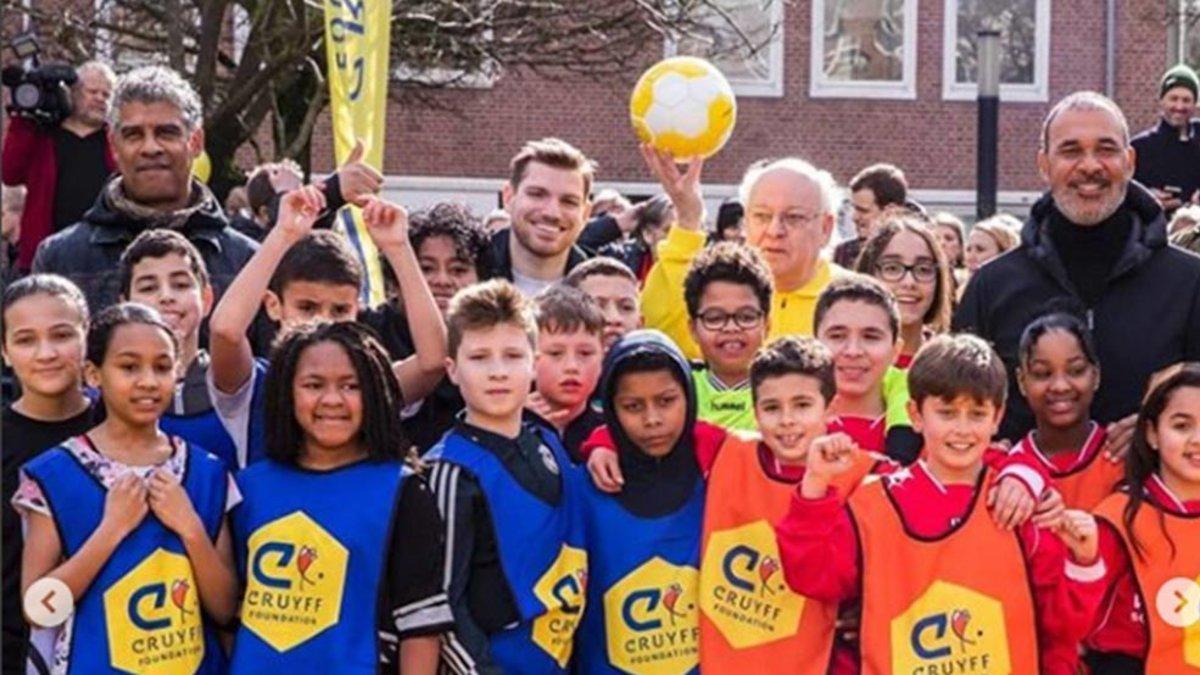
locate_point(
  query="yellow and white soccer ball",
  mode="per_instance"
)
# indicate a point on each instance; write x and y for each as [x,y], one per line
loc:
[685,106]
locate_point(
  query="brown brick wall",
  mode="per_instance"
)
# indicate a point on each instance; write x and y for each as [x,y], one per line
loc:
[933,140]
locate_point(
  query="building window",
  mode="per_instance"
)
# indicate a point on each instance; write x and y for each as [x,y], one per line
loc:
[743,39]
[1024,48]
[864,49]
[1185,45]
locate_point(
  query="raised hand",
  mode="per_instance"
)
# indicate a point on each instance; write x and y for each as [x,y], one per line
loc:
[828,456]
[298,210]
[357,180]
[386,222]
[682,187]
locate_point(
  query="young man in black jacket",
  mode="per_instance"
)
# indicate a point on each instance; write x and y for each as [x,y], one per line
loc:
[1168,154]
[1096,240]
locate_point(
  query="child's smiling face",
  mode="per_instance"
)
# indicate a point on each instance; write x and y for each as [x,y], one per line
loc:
[859,335]
[729,327]
[790,411]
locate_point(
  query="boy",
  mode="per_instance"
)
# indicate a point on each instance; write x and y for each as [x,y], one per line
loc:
[567,364]
[750,619]
[908,545]
[163,270]
[515,560]
[615,289]
[727,291]
[856,317]
[643,543]
[300,276]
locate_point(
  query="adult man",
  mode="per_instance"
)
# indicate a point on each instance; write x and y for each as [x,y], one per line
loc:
[789,207]
[1098,241]
[547,197]
[1168,155]
[871,191]
[63,167]
[155,134]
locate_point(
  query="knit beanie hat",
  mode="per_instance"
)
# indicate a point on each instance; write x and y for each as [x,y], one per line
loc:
[1180,76]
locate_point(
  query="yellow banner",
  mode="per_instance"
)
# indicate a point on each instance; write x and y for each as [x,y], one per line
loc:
[358,34]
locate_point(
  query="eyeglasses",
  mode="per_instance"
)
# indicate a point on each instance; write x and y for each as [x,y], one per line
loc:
[744,319]
[923,272]
[792,220]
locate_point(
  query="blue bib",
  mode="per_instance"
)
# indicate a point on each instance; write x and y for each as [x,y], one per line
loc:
[205,430]
[311,548]
[142,611]
[541,552]
[643,613]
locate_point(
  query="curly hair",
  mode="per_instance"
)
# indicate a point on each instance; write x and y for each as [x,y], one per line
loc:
[732,263]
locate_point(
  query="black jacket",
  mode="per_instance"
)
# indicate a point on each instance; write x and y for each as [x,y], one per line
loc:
[500,263]
[88,251]
[1163,159]
[1147,317]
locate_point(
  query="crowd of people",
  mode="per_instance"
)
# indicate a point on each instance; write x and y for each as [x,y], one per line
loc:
[589,435]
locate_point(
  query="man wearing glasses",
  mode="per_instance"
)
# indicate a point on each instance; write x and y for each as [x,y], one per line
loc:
[790,212]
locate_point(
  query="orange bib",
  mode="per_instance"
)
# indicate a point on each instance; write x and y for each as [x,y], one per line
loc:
[1086,486]
[750,620]
[1166,583]
[960,603]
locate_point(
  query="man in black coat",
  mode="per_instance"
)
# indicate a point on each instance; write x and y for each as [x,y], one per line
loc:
[155,133]
[1096,240]
[1168,154]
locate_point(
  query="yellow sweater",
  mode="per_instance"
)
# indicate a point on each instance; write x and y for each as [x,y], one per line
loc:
[663,306]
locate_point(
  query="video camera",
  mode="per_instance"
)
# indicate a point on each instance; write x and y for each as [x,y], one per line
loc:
[40,93]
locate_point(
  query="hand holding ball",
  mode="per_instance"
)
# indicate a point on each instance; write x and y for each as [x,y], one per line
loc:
[683,106]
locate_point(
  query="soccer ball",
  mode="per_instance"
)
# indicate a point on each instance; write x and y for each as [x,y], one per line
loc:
[685,106]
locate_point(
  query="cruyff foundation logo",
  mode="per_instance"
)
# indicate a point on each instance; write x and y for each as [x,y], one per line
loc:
[742,589]
[153,619]
[295,581]
[951,629]
[652,621]
[563,591]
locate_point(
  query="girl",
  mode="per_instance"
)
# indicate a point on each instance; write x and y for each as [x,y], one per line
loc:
[904,254]
[1150,537]
[309,536]
[1059,374]
[45,330]
[130,519]
[988,239]
[951,233]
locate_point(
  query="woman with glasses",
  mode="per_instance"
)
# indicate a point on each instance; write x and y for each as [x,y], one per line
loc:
[904,253]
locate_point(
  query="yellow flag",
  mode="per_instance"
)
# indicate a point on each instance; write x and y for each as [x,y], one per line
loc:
[358,34]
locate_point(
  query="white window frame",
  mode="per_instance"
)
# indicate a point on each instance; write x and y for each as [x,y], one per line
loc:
[772,87]
[1038,92]
[449,78]
[821,87]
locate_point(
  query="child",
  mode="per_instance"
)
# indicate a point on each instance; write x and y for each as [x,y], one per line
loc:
[567,364]
[750,619]
[727,291]
[163,270]
[515,560]
[615,289]
[299,276]
[904,254]
[308,533]
[129,517]
[857,319]
[644,543]
[1148,540]
[1059,374]
[45,332]
[909,544]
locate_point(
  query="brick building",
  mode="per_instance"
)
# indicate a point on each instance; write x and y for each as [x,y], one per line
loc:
[805,96]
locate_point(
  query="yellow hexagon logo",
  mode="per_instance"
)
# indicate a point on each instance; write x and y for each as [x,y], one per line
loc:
[153,616]
[563,590]
[1191,641]
[652,619]
[951,627]
[294,581]
[742,589]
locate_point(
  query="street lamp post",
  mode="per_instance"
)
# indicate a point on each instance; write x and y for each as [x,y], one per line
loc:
[986,158]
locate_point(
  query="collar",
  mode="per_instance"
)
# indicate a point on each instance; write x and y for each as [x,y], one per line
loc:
[1162,495]
[822,274]
[717,385]
[1091,446]
[1165,129]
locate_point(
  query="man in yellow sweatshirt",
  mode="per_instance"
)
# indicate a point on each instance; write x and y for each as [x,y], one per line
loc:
[790,212]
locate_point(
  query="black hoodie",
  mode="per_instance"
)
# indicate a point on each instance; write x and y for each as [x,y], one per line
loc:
[654,486]
[1144,317]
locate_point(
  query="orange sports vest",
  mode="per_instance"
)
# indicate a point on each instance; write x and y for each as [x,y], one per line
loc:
[961,603]
[1086,486]
[1172,648]
[750,620]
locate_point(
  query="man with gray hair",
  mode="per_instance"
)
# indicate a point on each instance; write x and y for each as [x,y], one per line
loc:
[155,131]
[790,210]
[64,166]
[1096,245]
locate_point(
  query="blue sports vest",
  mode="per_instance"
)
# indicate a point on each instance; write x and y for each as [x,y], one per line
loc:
[142,612]
[643,609]
[205,430]
[311,548]
[541,552]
